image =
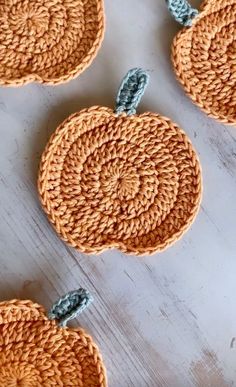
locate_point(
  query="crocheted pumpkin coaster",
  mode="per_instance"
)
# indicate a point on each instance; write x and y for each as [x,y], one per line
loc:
[50,41]
[118,179]
[204,55]
[35,352]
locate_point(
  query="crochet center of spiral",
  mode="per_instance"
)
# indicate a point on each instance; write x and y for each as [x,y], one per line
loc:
[120,181]
[18,382]
[34,28]
[29,21]
[19,375]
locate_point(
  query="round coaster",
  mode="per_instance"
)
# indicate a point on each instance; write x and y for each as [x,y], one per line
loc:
[118,179]
[35,351]
[204,55]
[48,41]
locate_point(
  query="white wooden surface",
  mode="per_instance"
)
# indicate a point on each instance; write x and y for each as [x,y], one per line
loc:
[166,320]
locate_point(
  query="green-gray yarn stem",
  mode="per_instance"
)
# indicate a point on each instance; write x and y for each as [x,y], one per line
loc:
[70,306]
[131,91]
[182,11]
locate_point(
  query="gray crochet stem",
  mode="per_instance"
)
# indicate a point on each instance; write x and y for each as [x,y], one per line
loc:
[70,306]
[131,91]
[182,11]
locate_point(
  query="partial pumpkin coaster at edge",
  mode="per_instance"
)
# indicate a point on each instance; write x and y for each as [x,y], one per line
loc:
[120,180]
[204,55]
[35,351]
[48,42]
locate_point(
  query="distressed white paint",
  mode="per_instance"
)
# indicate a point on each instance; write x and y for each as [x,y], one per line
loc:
[166,320]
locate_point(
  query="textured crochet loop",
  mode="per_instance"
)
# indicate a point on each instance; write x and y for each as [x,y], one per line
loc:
[182,11]
[204,59]
[70,306]
[131,91]
[35,352]
[49,41]
[124,180]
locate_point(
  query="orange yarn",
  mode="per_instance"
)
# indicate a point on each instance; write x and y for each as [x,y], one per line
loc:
[204,58]
[109,180]
[50,41]
[35,352]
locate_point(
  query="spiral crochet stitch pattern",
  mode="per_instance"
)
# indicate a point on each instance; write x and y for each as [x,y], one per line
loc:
[204,57]
[48,41]
[35,352]
[118,179]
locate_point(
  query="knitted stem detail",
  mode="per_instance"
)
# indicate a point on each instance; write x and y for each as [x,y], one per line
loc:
[131,91]
[70,306]
[182,11]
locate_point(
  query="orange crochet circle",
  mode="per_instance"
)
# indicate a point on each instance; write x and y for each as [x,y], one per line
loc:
[131,182]
[35,352]
[204,59]
[49,41]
